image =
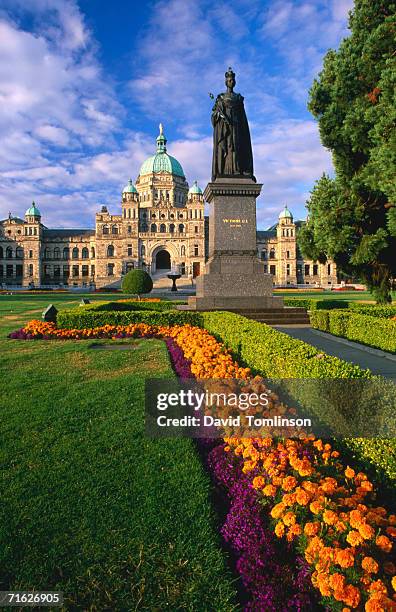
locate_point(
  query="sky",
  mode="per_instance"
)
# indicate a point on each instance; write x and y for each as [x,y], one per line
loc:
[84,85]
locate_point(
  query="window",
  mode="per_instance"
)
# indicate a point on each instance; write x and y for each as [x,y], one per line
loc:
[273,270]
[47,253]
[1,252]
[8,253]
[92,252]
[30,269]
[110,269]
[315,269]
[264,254]
[9,271]
[114,229]
[92,270]
[272,253]
[66,253]
[287,269]
[183,251]
[35,231]
[142,250]
[75,253]
[110,251]
[181,228]
[196,229]
[85,253]
[30,254]
[56,253]
[265,268]
[196,250]
[162,228]
[129,229]
[65,271]
[153,227]
[287,254]
[47,271]
[75,271]
[105,229]
[328,269]
[85,270]
[306,270]
[129,250]
[172,228]
[57,271]
[19,253]
[19,270]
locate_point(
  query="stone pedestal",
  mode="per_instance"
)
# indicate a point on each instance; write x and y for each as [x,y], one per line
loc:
[234,277]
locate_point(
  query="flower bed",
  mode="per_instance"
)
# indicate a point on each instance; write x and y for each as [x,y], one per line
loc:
[310,498]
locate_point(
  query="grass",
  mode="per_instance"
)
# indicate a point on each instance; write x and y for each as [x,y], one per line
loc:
[90,506]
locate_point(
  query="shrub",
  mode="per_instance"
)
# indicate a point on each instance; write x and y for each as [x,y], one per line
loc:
[131,305]
[376,332]
[315,304]
[382,312]
[137,282]
[80,318]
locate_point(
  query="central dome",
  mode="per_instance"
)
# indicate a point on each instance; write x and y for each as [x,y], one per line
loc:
[161,161]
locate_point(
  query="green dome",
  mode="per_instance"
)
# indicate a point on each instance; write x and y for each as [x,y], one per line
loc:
[286,214]
[130,188]
[195,188]
[33,211]
[161,161]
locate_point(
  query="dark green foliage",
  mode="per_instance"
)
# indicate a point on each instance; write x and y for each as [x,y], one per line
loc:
[352,218]
[315,304]
[80,318]
[133,305]
[137,282]
[376,331]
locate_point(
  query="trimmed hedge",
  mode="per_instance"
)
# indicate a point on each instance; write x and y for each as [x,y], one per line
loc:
[315,304]
[382,312]
[132,305]
[80,318]
[376,332]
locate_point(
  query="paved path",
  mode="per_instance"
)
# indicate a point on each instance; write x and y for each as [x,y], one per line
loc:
[377,361]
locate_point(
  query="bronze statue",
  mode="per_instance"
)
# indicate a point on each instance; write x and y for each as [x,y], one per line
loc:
[232,148]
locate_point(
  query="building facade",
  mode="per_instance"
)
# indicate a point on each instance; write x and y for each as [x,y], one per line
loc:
[161,227]
[278,248]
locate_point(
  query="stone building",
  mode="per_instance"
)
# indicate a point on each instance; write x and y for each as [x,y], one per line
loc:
[278,248]
[161,226]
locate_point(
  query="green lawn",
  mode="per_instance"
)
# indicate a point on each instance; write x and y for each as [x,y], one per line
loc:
[89,506]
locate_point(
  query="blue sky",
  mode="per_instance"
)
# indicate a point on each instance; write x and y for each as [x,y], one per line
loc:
[84,85]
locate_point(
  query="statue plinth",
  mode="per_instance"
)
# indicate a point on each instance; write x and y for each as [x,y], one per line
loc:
[234,277]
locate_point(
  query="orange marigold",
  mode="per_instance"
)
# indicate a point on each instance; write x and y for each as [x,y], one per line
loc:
[316,507]
[384,543]
[366,531]
[312,529]
[258,482]
[344,557]
[280,530]
[349,472]
[269,490]
[289,518]
[330,517]
[289,483]
[278,510]
[354,538]
[370,565]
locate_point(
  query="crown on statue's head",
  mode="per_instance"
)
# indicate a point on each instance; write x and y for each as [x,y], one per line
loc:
[230,73]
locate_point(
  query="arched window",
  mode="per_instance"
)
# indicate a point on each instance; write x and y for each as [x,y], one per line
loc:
[9,253]
[66,253]
[56,253]
[183,251]
[181,228]
[172,228]
[162,228]
[264,254]
[47,253]
[110,251]
[92,252]
[153,227]
[85,253]
[1,252]
[105,229]
[114,229]
[75,253]
[19,252]
[272,254]
[142,250]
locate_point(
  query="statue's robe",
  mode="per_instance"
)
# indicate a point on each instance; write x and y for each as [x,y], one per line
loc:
[232,148]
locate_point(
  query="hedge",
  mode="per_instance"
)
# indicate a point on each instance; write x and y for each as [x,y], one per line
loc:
[132,305]
[277,355]
[80,318]
[382,312]
[376,332]
[315,304]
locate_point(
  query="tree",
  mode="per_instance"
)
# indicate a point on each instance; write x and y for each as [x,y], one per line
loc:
[137,282]
[352,218]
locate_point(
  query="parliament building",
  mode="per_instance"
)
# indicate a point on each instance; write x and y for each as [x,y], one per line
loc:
[161,227]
